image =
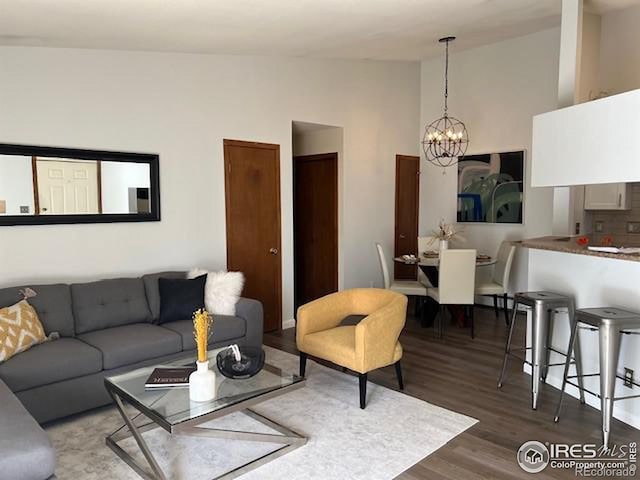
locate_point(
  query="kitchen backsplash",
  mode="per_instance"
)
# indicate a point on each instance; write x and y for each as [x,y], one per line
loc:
[615,223]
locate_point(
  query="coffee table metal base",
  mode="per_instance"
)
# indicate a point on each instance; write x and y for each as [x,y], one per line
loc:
[289,440]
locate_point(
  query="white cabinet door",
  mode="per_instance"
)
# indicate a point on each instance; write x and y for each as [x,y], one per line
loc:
[607,196]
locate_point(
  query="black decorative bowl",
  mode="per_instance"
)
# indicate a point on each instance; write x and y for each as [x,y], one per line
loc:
[251,362]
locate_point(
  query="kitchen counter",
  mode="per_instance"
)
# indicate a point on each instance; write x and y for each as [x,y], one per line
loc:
[594,280]
[569,245]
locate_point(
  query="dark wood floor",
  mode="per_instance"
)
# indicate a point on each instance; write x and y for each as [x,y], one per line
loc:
[460,374]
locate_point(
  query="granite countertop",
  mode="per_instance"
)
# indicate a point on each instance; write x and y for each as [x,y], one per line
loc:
[570,245]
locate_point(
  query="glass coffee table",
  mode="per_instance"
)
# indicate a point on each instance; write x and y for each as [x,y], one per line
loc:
[172,410]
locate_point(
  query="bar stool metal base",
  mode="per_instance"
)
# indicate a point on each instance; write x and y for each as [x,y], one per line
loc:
[542,305]
[610,323]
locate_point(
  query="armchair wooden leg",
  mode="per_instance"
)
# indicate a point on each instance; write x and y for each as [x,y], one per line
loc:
[362,377]
[506,310]
[303,363]
[399,375]
[495,305]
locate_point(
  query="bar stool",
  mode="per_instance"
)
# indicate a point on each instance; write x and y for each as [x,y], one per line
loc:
[611,324]
[543,304]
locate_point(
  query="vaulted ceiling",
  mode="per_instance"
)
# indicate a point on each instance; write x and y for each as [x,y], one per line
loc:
[350,29]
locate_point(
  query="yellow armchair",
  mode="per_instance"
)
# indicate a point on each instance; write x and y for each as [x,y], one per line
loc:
[371,344]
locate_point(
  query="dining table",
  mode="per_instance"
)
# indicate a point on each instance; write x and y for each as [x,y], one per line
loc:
[428,262]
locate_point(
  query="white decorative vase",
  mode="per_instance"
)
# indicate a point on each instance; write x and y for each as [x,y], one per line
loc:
[202,383]
[444,245]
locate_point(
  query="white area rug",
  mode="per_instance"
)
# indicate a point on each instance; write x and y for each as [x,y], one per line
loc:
[393,433]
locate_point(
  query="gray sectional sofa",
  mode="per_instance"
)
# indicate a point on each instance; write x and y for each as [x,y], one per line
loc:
[105,327]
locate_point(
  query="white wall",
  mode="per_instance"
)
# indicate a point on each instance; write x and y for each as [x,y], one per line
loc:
[595,126]
[593,142]
[495,90]
[16,183]
[117,178]
[182,107]
[325,139]
[619,52]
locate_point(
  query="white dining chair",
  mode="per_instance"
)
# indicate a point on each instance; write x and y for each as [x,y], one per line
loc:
[411,288]
[427,243]
[499,282]
[456,283]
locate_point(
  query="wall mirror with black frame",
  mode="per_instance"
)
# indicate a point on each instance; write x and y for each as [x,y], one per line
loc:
[49,185]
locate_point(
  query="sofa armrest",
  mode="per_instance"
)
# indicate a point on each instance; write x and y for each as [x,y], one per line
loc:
[251,311]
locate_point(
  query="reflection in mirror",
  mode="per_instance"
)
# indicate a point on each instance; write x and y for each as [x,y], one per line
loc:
[66,186]
[94,186]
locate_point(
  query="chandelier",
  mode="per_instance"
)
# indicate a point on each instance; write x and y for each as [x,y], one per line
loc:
[446,138]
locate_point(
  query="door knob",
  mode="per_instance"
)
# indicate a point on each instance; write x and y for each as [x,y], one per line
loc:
[402,236]
[273,251]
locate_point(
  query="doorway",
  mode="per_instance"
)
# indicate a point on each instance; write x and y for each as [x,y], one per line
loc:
[316,150]
[406,216]
[252,196]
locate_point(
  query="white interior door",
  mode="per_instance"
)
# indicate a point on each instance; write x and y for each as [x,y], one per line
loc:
[67,187]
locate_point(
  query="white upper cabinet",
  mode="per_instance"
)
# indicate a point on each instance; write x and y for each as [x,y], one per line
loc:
[593,142]
[607,196]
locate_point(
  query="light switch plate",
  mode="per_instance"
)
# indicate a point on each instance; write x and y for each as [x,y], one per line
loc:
[3,206]
[599,226]
[633,227]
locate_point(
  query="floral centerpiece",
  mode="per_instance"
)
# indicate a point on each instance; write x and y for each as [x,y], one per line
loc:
[444,233]
[202,382]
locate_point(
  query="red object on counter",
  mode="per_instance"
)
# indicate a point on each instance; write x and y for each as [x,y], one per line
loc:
[606,241]
[583,241]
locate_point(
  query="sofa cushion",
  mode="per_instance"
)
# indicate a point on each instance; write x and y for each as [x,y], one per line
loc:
[20,329]
[109,303]
[52,302]
[25,450]
[153,290]
[180,297]
[338,345]
[224,328]
[50,362]
[132,343]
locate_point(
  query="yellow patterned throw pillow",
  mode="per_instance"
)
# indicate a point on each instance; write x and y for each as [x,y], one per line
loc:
[20,329]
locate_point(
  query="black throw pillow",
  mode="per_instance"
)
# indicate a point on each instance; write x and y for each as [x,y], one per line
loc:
[179,298]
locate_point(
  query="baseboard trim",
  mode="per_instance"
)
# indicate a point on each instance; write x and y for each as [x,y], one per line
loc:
[288,323]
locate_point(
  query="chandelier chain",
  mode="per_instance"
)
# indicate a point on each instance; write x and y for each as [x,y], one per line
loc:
[446,76]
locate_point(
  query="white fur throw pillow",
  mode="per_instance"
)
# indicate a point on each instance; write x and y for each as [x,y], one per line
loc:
[222,290]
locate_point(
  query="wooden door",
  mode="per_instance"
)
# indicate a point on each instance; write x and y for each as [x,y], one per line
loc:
[407,200]
[252,187]
[67,187]
[315,218]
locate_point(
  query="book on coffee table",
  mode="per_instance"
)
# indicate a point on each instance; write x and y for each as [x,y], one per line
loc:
[169,377]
